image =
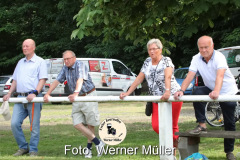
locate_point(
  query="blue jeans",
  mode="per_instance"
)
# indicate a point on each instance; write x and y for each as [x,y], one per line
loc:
[20,112]
[228,109]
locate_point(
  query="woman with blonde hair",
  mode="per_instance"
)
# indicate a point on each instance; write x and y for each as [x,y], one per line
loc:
[158,71]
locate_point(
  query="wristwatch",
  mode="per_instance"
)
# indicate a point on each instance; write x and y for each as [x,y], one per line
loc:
[182,90]
[34,92]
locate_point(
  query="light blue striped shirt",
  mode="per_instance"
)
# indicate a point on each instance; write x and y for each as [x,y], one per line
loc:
[28,73]
[78,70]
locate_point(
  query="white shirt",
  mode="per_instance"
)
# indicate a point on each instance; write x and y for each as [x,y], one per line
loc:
[208,71]
[28,73]
[156,78]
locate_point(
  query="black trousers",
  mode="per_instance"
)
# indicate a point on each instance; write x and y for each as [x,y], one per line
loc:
[228,109]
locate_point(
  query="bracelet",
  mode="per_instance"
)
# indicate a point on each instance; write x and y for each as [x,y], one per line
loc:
[76,91]
[9,92]
[167,89]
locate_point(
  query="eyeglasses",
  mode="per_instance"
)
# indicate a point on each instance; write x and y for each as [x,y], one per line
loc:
[152,49]
[67,59]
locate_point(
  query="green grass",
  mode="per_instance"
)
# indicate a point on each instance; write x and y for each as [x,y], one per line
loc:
[57,131]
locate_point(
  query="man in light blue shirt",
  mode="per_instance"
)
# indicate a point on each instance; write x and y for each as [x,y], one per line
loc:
[29,78]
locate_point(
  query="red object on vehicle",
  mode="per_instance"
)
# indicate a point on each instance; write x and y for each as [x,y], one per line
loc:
[7,87]
[47,84]
[65,82]
[196,81]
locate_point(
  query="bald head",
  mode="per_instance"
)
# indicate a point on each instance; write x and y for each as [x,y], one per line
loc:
[206,47]
[205,38]
[28,48]
[30,41]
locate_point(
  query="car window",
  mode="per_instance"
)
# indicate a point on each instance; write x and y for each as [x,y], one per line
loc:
[119,68]
[181,73]
[233,57]
[3,80]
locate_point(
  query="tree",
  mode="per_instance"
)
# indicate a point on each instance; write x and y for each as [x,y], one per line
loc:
[174,22]
[49,23]
[140,20]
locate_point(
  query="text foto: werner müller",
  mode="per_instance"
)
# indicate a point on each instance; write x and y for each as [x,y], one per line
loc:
[146,150]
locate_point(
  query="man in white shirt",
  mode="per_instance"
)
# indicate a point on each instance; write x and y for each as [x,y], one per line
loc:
[29,78]
[218,80]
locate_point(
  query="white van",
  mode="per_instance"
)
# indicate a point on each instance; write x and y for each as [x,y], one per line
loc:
[110,76]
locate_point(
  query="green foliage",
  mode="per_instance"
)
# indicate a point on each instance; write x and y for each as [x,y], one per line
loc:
[49,23]
[141,20]
[232,38]
[115,29]
[177,24]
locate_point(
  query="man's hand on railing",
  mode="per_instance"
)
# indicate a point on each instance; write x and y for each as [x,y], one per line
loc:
[6,97]
[72,97]
[178,94]
[45,98]
[30,97]
[214,95]
[122,95]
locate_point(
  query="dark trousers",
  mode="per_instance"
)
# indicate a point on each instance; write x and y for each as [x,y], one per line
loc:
[228,109]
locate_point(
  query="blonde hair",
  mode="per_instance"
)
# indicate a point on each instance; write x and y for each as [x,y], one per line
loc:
[156,41]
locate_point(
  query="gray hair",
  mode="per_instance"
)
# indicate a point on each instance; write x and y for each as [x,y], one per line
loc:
[73,54]
[156,41]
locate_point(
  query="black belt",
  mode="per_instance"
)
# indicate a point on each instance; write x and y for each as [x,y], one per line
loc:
[26,94]
[23,94]
[84,94]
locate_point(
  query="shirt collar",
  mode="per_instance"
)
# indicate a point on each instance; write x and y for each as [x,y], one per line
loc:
[74,65]
[33,59]
[210,58]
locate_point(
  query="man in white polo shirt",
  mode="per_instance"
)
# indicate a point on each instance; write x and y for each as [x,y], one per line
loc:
[218,80]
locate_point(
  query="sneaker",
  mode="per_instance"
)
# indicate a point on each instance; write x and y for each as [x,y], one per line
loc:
[21,152]
[230,156]
[33,154]
[88,154]
[99,148]
[199,129]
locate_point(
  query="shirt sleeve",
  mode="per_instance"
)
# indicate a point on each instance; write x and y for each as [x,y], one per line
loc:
[83,71]
[62,76]
[220,61]
[168,63]
[16,71]
[145,65]
[194,64]
[43,70]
